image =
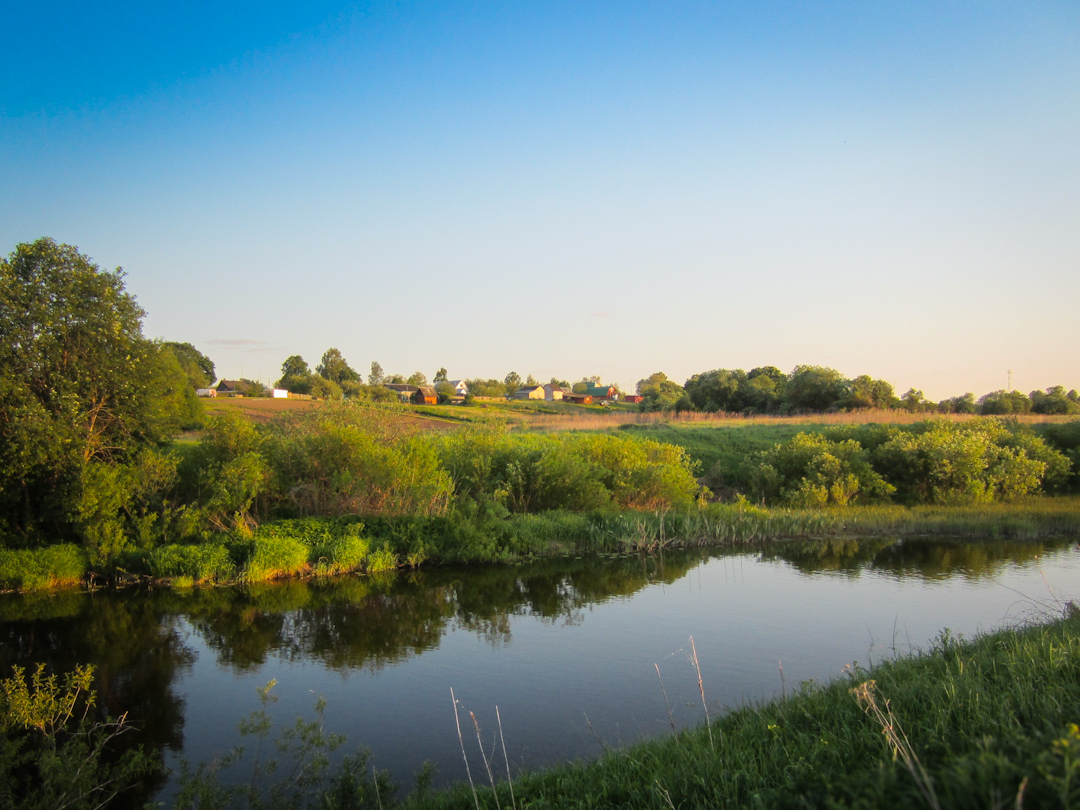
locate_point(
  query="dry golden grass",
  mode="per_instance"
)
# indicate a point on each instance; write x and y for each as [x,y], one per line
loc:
[614,418]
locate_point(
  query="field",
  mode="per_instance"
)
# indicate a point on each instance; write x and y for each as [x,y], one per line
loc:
[558,416]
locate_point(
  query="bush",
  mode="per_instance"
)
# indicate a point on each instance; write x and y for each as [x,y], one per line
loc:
[812,470]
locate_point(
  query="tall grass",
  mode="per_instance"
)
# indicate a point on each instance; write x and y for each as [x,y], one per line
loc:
[985,723]
[61,565]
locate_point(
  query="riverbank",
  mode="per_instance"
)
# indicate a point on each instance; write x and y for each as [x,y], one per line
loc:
[989,722]
[334,546]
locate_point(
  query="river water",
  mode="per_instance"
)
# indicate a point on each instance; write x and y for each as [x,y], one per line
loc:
[568,650]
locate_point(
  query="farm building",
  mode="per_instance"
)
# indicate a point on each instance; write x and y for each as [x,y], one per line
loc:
[530,392]
[205,392]
[602,392]
[578,399]
[405,392]
[229,388]
[553,393]
[633,398]
[425,395]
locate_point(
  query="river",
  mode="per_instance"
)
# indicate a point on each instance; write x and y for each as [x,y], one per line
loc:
[568,650]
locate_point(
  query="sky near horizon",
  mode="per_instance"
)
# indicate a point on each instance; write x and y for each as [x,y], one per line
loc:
[567,189]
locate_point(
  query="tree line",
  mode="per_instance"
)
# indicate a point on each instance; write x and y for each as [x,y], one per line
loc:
[818,389]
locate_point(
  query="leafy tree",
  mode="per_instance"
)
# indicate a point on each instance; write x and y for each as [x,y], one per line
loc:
[866,392]
[1053,401]
[440,376]
[322,388]
[295,375]
[661,394]
[914,401]
[334,368]
[965,403]
[815,389]
[511,383]
[417,379]
[718,390]
[79,384]
[1002,403]
[197,366]
[376,375]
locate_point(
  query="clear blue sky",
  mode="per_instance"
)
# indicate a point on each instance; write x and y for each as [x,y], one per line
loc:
[568,189]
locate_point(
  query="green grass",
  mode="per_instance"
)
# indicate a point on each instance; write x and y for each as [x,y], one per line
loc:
[61,565]
[986,723]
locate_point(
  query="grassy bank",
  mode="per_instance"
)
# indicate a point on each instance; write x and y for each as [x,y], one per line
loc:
[985,723]
[331,546]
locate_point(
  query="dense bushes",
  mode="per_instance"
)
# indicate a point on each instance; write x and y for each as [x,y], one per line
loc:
[935,462]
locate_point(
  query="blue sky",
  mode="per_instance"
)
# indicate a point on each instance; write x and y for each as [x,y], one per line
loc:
[567,189]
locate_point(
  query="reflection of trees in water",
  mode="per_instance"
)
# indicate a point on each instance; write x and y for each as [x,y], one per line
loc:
[375,621]
[929,559]
[135,649]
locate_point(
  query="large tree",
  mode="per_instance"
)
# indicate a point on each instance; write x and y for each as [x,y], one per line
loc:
[334,368]
[198,367]
[79,384]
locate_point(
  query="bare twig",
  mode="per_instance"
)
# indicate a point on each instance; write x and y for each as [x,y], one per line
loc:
[898,741]
[461,741]
[783,683]
[666,703]
[701,688]
[593,730]
[375,780]
[506,759]
[487,762]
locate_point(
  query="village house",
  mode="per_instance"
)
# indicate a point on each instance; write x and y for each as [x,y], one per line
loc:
[461,388]
[405,392]
[553,393]
[529,392]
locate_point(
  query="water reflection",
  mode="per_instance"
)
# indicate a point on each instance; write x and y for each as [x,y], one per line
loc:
[140,644]
[919,558]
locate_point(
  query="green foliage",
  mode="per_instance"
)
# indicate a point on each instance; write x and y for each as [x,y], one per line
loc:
[1065,438]
[197,367]
[1003,403]
[1054,401]
[53,753]
[661,394]
[55,566]
[337,461]
[812,470]
[284,769]
[333,367]
[815,389]
[78,384]
[958,463]
[204,562]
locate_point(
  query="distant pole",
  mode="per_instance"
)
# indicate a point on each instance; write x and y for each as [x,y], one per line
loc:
[1010,379]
